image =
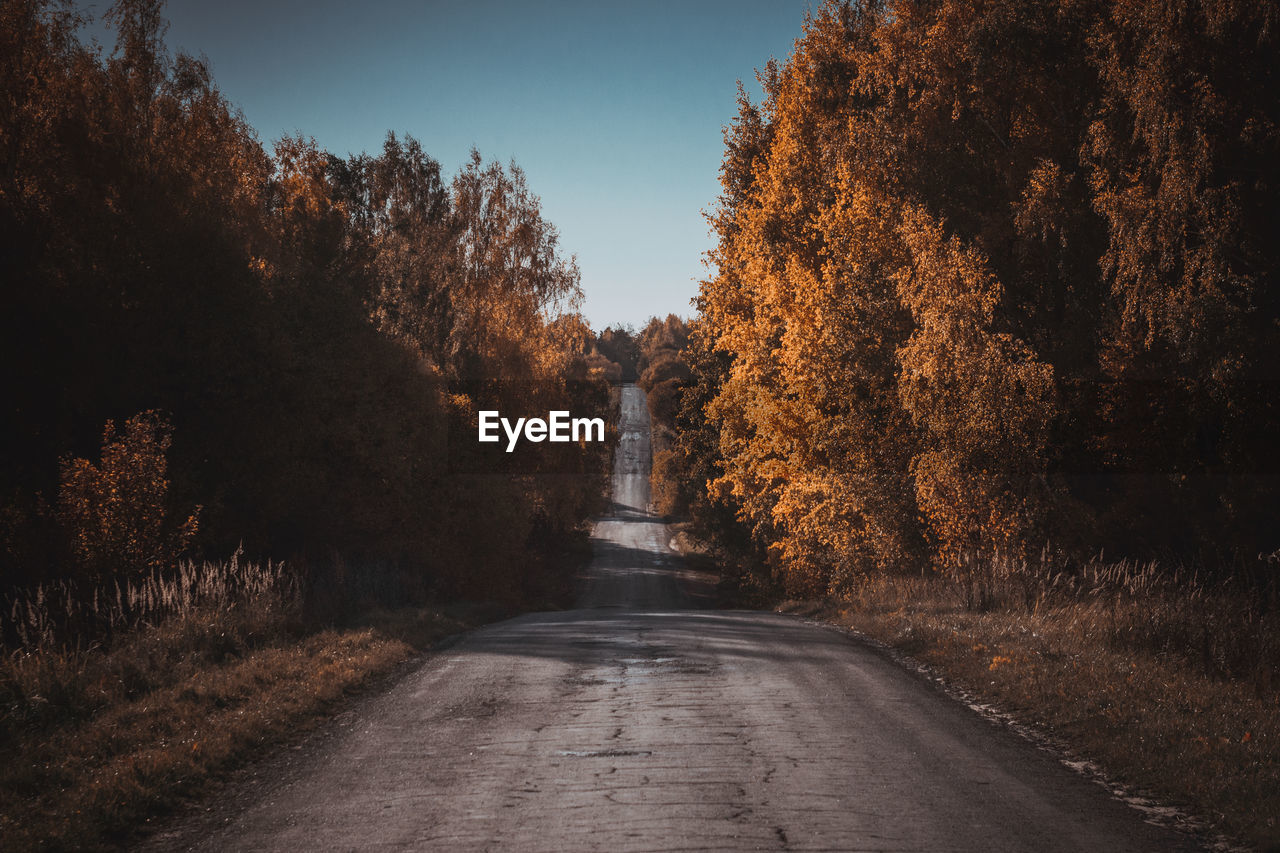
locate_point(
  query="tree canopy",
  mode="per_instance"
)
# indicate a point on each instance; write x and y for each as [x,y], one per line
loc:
[314,334]
[991,274]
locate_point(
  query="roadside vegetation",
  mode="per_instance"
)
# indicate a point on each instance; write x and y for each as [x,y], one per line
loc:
[663,372]
[189,674]
[1165,691]
[216,347]
[309,336]
[986,367]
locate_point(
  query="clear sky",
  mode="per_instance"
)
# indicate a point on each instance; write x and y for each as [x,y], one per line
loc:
[614,110]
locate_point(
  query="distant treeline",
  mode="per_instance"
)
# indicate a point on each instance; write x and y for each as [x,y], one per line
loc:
[992,276]
[655,358]
[287,348]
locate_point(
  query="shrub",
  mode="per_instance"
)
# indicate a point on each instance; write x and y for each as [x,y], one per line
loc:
[115,513]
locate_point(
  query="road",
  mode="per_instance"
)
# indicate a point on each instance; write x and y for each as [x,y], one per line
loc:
[638,722]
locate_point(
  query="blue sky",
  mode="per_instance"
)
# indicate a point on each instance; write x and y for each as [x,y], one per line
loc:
[614,110]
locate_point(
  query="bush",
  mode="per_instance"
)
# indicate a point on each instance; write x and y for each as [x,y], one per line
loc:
[115,513]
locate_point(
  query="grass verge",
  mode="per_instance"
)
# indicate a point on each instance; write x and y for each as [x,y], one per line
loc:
[117,705]
[91,783]
[1089,677]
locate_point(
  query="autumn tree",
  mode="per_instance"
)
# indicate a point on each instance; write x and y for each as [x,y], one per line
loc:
[991,274]
[1182,164]
[299,317]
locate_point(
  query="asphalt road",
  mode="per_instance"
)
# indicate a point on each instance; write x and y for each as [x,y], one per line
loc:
[639,722]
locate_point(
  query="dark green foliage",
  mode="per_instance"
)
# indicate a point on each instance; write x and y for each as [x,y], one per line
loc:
[618,344]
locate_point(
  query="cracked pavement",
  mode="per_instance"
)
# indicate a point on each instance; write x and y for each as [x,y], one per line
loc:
[640,722]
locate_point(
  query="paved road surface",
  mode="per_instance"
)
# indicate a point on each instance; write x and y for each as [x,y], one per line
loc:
[639,723]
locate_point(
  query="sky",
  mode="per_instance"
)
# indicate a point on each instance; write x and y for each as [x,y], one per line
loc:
[613,110]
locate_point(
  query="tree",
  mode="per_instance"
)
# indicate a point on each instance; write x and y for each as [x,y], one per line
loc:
[993,272]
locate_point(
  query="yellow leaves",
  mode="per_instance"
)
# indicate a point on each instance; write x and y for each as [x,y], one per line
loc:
[880,402]
[983,399]
[1042,209]
[262,267]
[115,513]
[945,283]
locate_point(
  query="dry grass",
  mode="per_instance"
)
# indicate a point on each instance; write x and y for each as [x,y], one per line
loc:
[1165,684]
[198,673]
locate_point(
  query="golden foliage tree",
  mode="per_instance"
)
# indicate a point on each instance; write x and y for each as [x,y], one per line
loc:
[991,272]
[984,401]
